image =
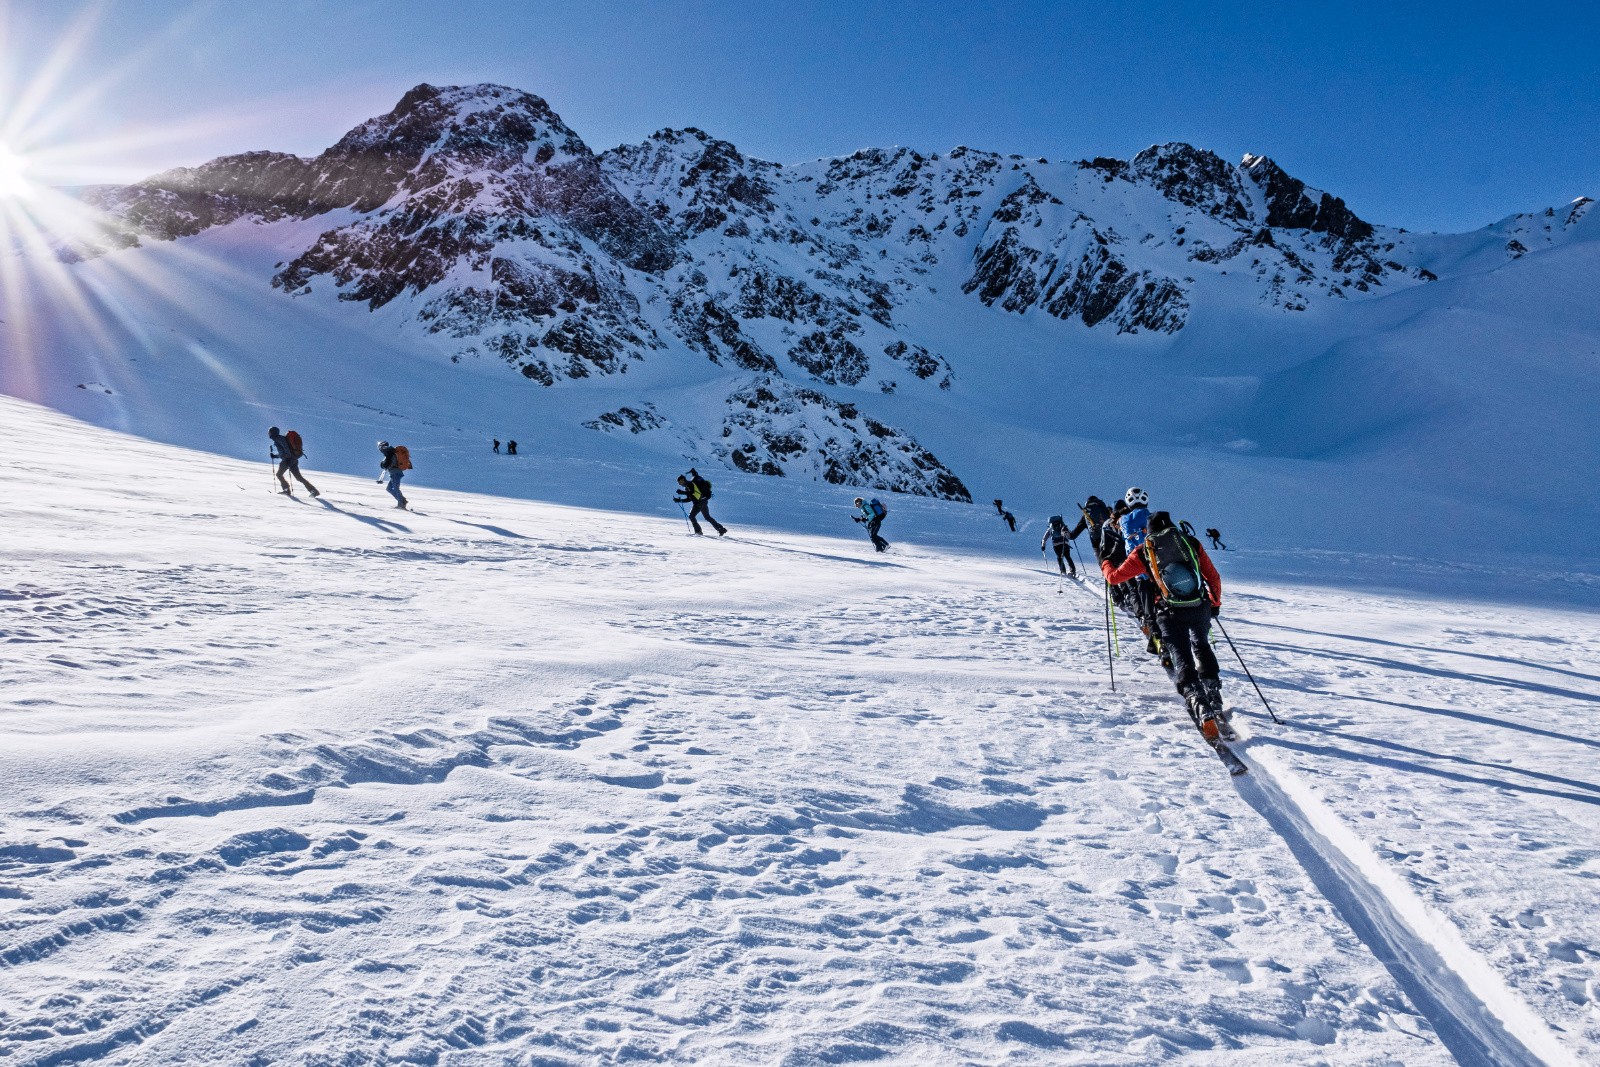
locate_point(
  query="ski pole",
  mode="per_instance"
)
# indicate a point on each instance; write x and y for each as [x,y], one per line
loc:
[1247,673]
[1116,638]
[1111,666]
[686,521]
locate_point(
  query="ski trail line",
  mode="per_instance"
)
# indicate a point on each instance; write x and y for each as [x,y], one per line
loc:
[1480,1019]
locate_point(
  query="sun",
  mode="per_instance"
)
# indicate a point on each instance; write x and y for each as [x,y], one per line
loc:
[14,182]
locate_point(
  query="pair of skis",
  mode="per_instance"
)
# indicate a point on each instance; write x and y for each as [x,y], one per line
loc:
[1230,759]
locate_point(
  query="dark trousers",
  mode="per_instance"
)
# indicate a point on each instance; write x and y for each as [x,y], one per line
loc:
[1183,636]
[703,507]
[292,466]
[1064,558]
[872,531]
[1142,602]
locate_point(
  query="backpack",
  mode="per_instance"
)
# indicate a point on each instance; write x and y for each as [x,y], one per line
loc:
[702,487]
[295,445]
[402,458]
[878,510]
[1174,568]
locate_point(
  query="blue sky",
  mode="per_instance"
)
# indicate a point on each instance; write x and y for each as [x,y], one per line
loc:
[1425,115]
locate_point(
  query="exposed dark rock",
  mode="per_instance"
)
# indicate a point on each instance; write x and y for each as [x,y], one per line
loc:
[831,357]
[706,325]
[1095,287]
[634,420]
[1194,177]
[1290,207]
[780,429]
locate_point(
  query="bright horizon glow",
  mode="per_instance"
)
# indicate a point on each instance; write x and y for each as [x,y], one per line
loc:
[54,137]
[14,183]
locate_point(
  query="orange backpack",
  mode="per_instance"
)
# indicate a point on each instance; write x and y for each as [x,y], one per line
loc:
[402,458]
[295,445]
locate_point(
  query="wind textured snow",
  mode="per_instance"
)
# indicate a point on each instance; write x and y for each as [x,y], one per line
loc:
[511,781]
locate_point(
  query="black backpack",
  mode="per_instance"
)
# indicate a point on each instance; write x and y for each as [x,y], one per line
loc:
[701,486]
[1170,558]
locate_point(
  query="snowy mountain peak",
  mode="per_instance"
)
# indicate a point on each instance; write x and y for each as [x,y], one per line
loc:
[435,132]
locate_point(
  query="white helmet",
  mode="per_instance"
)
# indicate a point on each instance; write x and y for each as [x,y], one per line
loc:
[1136,497]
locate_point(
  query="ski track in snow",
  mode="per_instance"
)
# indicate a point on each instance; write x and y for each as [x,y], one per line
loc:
[498,782]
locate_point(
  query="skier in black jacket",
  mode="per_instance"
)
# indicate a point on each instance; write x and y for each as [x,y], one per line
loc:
[1095,515]
[696,492]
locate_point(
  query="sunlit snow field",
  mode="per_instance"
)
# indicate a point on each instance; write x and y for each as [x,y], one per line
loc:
[505,781]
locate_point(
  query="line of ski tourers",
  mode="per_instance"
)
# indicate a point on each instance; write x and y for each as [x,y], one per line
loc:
[1155,570]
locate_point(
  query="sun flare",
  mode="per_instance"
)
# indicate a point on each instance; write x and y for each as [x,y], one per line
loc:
[13,173]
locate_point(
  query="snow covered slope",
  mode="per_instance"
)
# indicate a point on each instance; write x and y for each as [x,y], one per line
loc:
[510,781]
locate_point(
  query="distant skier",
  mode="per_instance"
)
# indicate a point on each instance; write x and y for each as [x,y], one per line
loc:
[1216,538]
[1011,520]
[497,446]
[1188,597]
[999,508]
[1056,537]
[396,461]
[695,491]
[288,452]
[873,513]
[511,448]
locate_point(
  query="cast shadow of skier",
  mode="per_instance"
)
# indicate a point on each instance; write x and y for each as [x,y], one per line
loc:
[371,520]
[1590,794]
[499,531]
[1514,661]
[1456,713]
[820,555]
[1385,663]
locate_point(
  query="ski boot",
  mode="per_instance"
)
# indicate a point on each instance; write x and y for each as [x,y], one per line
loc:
[1211,692]
[1201,713]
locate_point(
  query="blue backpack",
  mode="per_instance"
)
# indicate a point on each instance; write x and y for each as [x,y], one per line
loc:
[878,510]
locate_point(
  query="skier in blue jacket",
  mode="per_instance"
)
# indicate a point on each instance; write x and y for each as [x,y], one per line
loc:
[1134,523]
[873,513]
